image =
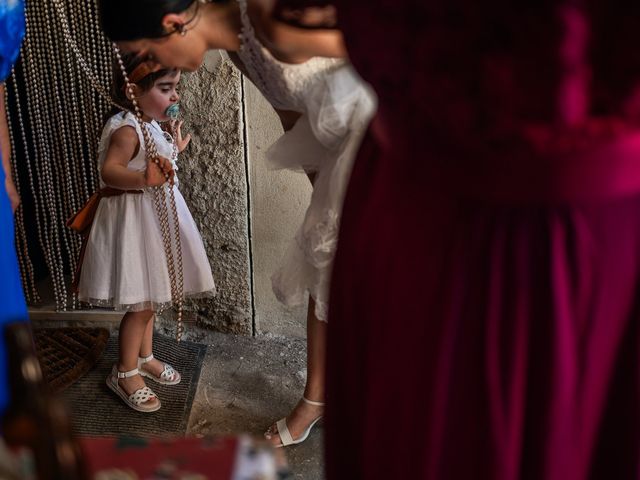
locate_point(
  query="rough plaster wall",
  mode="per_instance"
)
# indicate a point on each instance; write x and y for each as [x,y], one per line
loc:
[278,202]
[212,171]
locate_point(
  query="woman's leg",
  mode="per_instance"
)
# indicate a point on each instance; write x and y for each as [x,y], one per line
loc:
[316,351]
[304,414]
[146,347]
[132,331]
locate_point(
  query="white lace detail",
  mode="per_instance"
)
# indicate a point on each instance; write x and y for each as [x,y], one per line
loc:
[319,243]
[283,84]
[337,107]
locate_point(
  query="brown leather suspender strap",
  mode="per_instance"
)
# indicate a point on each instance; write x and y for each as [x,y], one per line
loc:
[82,220]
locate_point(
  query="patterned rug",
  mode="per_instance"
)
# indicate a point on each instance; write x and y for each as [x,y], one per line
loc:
[66,354]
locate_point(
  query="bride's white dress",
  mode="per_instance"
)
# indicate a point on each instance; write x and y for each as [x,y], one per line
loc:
[337,106]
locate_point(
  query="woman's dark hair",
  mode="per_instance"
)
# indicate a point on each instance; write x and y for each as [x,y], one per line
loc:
[125,20]
[306,14]
[118,85]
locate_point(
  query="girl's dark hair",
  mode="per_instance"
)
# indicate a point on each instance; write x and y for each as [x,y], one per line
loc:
[118,85]
[125,20]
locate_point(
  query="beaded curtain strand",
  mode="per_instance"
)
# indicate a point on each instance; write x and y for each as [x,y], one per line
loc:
[56,110]
[59,93]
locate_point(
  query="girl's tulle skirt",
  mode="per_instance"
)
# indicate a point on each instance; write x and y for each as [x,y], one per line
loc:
[125,266]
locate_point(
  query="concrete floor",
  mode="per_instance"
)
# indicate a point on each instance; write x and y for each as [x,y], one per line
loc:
[247,383]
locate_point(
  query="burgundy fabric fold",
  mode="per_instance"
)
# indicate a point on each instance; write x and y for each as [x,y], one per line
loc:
[485,300]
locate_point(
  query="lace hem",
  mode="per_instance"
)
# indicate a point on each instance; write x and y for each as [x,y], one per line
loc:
[300,276]
[145,305]
[321,309]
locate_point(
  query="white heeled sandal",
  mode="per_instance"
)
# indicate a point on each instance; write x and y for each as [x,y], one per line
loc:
[169,376]
[285,436]
[138,399]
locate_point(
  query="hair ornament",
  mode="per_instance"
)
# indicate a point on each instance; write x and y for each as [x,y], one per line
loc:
[144,69]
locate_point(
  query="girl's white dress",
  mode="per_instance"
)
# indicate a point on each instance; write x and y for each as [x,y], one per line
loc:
[336,106]
[124,264]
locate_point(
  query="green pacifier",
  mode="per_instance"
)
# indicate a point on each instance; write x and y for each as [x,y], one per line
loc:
[172,111]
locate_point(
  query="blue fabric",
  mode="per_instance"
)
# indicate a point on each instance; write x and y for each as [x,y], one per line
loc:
[12,304]
[11,32]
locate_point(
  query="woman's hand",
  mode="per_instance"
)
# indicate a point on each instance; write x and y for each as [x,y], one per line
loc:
[12,192]
[5,155]
[157,174]
[181,143]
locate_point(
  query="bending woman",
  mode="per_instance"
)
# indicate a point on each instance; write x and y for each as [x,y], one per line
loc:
[322,103]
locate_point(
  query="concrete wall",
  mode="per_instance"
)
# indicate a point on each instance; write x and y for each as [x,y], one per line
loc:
[247,214]
[278,201]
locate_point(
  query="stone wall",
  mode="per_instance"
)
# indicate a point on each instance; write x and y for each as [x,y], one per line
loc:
[213,178]
[247,215]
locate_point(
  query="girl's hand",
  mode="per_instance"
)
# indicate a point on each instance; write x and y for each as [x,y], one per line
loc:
[157,174]
[181,143]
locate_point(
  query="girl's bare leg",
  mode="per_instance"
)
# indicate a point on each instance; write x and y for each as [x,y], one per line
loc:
[154,366]
[132,331]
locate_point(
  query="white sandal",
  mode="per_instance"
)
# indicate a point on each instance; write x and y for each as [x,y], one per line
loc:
[283,430]
[169,376]
[138,399]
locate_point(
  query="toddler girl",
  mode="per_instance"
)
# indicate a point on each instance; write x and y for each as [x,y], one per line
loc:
[124,265]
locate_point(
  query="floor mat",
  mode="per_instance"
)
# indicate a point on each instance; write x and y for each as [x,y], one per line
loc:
[97,411]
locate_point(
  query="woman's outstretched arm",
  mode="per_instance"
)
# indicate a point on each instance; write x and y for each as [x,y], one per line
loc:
[12,192]
[296,34]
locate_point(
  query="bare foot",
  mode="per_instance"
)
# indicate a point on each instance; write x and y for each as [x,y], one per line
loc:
[298,421]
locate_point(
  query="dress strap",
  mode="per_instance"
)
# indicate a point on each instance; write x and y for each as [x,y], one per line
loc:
[251,52]
[247,28]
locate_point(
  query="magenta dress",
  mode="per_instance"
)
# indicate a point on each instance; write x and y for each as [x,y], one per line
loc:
[486,291]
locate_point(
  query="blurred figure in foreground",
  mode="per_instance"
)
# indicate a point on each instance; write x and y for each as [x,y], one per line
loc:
[12,304]
[485,294]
